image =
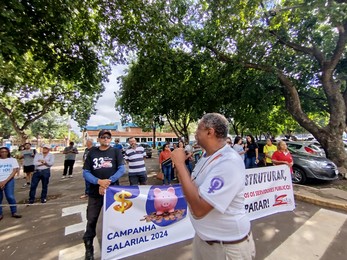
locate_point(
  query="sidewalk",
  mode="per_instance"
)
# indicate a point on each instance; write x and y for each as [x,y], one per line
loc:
[326,197]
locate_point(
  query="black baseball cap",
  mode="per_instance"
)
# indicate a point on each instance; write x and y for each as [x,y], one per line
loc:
[104,131]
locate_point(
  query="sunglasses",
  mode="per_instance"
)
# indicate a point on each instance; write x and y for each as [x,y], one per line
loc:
[105,137]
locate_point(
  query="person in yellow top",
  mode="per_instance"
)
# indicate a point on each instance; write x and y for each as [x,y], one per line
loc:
[269,149]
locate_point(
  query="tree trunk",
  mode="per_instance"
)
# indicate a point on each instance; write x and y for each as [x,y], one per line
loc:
[330,137]
[154,142]
[23,137]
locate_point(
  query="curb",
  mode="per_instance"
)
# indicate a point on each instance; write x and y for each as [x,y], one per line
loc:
[321,202]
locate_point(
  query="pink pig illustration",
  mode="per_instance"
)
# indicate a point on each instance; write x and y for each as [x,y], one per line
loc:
[165,201]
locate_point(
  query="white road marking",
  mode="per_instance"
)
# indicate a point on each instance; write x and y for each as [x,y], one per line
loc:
[77,252]
[312,239]
[79,209]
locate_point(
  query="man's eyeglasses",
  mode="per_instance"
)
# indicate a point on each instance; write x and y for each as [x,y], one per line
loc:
[105,137]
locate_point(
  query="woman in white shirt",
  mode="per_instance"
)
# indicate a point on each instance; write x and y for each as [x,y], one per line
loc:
[238,147]
[8,169]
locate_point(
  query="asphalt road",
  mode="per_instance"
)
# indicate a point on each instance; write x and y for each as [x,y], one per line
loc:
[54,230]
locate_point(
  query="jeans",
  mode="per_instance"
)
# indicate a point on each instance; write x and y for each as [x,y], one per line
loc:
[86,191]
[196,157]
[167,173]
[189,166]
[68,165]
[93,212]
[43,176]
[136,179]
[9,194]
[250,162]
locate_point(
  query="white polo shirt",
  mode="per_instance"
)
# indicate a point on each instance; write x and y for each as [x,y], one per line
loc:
[221,180]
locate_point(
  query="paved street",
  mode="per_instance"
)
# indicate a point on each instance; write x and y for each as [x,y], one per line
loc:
[54,230]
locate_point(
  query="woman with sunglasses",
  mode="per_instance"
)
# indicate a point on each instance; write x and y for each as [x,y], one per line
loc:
[8,169]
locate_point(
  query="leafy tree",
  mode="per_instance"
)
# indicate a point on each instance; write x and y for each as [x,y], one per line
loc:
[52,56]
[302,44]
[6,129]
[50,126]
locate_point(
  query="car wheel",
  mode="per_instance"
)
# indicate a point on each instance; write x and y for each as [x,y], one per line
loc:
[298,176]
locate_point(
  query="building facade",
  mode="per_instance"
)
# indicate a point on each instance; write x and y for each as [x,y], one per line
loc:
[126,131]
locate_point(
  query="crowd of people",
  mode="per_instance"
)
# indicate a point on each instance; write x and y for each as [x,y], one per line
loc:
[196,166]
[36,167]
[248,150]
[272,154]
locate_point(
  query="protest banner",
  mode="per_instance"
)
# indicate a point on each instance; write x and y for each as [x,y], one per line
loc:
[140,218]
[268,190]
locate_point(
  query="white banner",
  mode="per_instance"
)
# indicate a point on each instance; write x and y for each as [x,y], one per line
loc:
[140,218]
[268,190]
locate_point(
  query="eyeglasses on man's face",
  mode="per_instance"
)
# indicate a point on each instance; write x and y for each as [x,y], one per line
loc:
[105,137]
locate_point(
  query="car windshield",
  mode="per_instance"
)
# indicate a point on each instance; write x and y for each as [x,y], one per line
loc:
[292,150]
[294,146]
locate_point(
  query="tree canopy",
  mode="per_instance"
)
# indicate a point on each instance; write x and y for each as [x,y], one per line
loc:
[300,45]
[53,55]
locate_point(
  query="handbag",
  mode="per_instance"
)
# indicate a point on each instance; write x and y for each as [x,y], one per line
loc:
[160,176]
[166,162]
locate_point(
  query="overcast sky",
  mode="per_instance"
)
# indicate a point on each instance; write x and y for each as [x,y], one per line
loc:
[105,107]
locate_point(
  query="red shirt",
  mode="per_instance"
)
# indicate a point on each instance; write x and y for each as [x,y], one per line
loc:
[166,154]
[281,156]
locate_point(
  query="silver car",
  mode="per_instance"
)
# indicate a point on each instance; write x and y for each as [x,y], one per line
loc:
[306,165]
[313,167]
[306,147]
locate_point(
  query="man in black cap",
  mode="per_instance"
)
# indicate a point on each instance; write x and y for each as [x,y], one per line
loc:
[103,167]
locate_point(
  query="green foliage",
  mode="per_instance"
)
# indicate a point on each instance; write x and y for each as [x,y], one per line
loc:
[6,129]
[275,55]
[50,126]
[52,56]
[166,83]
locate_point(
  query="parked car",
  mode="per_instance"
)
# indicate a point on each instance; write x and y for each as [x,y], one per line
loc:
[306,165]
[306,147]
[148,149]
[125,147]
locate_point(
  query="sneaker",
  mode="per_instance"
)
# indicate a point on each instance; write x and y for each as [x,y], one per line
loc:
[15,215]
[43,201]
[70,176]
[63,177]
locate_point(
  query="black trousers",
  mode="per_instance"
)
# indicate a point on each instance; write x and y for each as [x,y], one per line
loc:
[93,211]
[68,164]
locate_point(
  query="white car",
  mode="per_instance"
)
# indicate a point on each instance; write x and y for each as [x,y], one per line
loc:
[312,148]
